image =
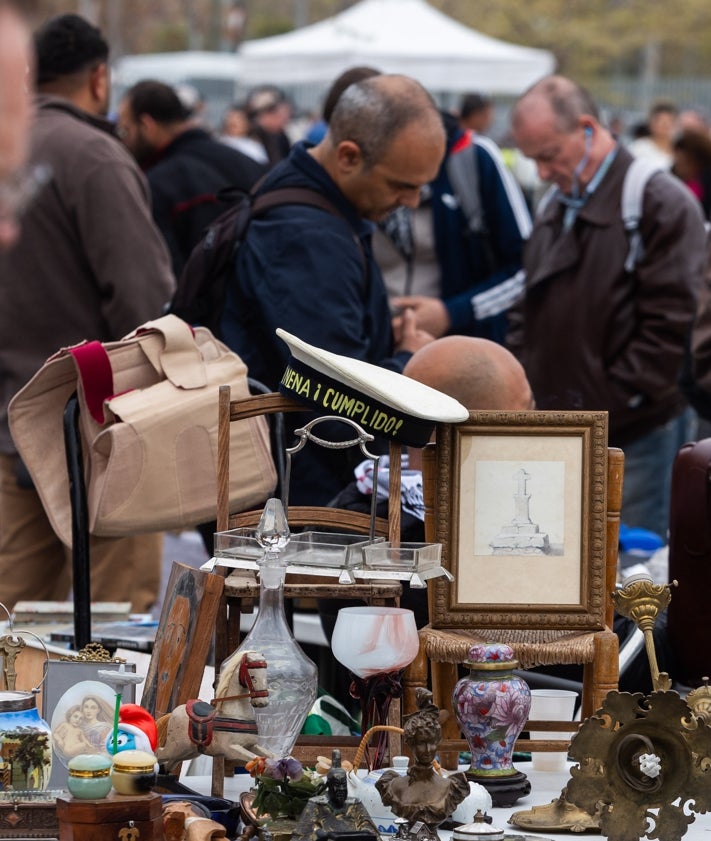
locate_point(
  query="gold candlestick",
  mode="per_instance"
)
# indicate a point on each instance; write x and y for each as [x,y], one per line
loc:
[641,600]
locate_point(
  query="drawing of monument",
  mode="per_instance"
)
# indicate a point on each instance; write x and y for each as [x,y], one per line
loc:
[521,536]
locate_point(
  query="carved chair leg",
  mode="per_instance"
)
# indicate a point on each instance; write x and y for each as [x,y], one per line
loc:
[444,678]
[415,676]
[602,675]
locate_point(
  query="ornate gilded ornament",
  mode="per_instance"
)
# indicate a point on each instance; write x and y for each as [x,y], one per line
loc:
[644,761]
[639,754]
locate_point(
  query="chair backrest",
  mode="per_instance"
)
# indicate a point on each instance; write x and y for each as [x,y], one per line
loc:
[333,518]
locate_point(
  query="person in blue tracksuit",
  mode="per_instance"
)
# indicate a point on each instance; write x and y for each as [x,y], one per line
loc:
[481,223]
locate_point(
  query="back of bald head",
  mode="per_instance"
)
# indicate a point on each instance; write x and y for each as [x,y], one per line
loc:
[480,374]
[374,111]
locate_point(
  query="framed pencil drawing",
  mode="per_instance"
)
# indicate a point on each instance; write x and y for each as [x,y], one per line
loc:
[520,511]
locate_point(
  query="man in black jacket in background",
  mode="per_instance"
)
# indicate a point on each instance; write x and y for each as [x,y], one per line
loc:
[185,166]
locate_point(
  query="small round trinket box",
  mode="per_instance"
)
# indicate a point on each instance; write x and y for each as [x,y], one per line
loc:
[89,776]
[133,772]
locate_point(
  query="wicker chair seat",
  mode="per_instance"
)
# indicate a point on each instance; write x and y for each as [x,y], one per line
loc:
[531,647]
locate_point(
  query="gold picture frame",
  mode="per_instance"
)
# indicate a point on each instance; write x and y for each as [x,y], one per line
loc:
[520,510]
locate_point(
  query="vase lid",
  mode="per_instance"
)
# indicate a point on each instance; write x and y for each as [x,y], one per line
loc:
[89,765]
[491,655]
[16,701]
[134,762]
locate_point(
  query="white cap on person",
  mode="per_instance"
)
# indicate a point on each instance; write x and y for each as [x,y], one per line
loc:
[381,401]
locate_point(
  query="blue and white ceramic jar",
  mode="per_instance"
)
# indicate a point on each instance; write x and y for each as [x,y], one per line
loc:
[25,743]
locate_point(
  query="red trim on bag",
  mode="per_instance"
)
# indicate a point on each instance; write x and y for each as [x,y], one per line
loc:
[97,378]
[189,204]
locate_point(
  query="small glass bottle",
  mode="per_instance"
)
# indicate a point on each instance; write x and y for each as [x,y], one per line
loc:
[292,678]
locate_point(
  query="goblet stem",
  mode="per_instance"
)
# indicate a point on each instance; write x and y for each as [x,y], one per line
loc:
[375,694]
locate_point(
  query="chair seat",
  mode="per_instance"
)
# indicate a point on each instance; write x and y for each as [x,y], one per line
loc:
[531,647]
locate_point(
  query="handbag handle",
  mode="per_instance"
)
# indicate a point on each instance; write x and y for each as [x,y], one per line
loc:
[97,378]
[180,361]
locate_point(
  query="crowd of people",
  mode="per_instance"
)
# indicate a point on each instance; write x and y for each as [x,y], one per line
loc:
[98,217]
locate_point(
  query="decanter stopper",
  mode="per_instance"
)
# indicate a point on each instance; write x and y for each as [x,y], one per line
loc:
[273,533]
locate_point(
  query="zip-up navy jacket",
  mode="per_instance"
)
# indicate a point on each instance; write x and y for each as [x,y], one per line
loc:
[299,268]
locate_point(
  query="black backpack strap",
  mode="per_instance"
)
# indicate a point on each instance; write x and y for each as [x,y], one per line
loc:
[303,195]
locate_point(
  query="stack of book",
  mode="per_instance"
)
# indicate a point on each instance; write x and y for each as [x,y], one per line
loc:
[112,624]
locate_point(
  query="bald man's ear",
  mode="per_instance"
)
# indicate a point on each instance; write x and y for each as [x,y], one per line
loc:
[349,156]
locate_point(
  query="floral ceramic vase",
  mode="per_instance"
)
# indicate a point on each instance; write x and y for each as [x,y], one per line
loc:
[492,706]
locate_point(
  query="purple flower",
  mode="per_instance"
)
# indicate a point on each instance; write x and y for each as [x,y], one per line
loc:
[284,769]
[509,710]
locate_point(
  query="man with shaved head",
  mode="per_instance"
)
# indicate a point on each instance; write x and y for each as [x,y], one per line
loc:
[597,331]
[479,373]
[312,272]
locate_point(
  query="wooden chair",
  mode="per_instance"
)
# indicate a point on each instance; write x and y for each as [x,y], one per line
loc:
[441,651]
[241,589]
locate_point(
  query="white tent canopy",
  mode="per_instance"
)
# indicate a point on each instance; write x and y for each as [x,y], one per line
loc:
[395,36]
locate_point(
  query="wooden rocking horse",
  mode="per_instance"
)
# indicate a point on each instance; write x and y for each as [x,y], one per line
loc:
[224,728]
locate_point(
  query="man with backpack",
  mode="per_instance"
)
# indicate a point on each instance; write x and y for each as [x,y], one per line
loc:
[186,168]
[603,325]
[311,270]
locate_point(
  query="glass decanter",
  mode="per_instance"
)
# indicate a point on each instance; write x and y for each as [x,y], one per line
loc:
[292,678]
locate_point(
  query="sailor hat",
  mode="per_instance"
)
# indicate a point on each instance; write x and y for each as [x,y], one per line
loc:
[382,402]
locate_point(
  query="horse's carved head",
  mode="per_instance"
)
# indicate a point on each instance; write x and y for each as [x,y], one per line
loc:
[253,677]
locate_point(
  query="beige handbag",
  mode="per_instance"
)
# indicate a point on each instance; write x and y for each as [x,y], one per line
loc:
[148,416]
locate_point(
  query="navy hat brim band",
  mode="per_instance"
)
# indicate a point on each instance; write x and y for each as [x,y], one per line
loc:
[305,384]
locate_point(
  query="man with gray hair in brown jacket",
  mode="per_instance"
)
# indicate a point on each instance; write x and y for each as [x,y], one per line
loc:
[602,326]
[88,264]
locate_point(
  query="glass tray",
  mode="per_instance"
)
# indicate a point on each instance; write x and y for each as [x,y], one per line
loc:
[328,549]
[309,548]
[408,557]
[345,556]
[238,545]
